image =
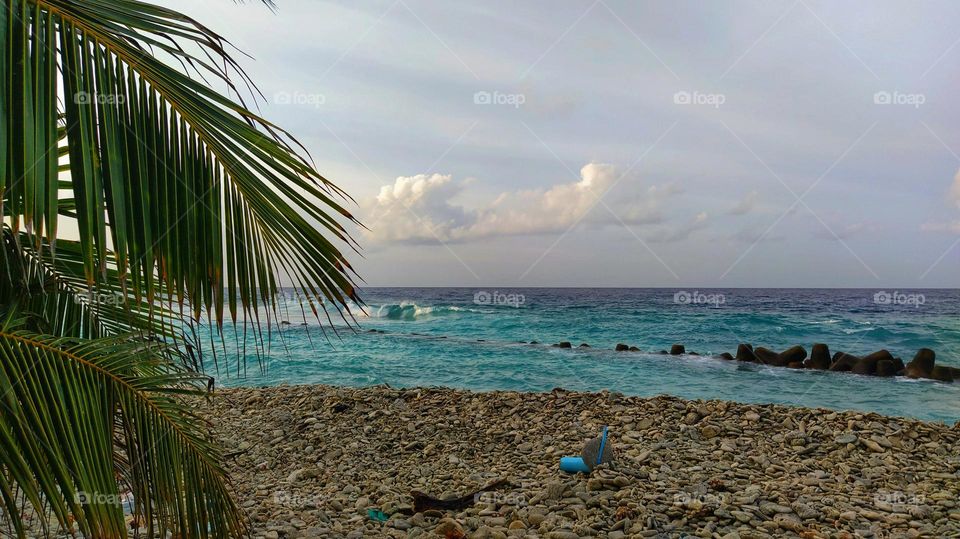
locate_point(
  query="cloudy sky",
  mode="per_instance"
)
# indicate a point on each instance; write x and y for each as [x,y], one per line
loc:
[606,143]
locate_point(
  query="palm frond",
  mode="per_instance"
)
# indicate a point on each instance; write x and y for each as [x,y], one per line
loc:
[191,193]
[120,395]
[51,292]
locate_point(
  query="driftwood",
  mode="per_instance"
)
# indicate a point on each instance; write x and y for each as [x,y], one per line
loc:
[424,502]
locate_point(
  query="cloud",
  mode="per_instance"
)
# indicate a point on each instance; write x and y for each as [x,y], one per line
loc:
[667,234]
[954,195]
[845,232]
[746,205]
[952,228]
[417,209]
[420,209]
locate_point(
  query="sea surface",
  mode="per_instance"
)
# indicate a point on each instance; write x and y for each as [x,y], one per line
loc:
[480,339]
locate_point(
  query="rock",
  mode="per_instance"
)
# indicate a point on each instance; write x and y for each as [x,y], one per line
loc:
[584,345]
[554,490]
[898,364]
[794,354]
[634,349]
[922,364]
[677,350]
[843,362]
[886,368]
[941,373]
[745,352]
[622,347]
[741,516]
[846,438]
[591,452]
[303,474]
[788,521]
[767,356]
[795,365]
[819,357]
[770,508]
[563,344]
[737,467]
[725,355]
[450,529]
[873,446]
[868,364]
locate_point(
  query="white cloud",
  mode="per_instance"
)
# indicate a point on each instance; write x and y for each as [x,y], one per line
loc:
[952,228]
[955,190]
[417,209]
[845,232]
[668,234]
[746,205]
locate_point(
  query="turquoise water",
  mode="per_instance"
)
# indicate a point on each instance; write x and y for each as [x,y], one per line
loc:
[470,338]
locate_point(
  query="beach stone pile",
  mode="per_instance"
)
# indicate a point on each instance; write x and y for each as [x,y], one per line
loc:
[321,461]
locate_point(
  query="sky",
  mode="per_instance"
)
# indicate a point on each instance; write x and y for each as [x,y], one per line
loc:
[793,143]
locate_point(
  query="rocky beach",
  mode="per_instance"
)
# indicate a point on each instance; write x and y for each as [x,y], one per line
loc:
[324,461]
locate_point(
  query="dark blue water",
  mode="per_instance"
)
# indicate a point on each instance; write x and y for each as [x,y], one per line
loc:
[469,338]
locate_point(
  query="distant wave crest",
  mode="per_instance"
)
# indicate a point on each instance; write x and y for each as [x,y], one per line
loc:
[412,311]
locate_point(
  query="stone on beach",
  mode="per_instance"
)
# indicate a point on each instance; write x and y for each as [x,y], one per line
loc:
[702,468]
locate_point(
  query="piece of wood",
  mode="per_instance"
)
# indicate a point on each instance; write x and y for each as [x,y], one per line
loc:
[424,502]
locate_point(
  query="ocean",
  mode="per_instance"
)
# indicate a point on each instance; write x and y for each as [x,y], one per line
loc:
[480,339]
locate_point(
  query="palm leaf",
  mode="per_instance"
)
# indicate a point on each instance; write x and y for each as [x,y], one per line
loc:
[121,396]
[186,201]
[53,296]
[192,194]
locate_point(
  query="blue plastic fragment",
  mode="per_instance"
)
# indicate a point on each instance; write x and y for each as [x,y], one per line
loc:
[573,465]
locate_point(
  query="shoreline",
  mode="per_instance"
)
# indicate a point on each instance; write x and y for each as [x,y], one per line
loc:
[313,460]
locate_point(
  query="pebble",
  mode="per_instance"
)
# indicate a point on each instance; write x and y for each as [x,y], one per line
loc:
[316,458]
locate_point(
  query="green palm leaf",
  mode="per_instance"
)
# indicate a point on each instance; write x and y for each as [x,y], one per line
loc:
[81,418]
[190,193]
[187,205]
